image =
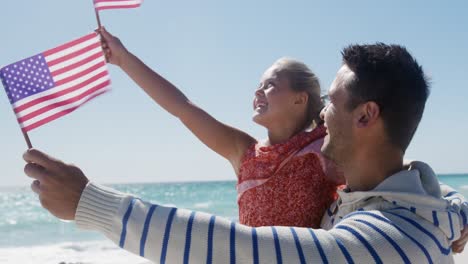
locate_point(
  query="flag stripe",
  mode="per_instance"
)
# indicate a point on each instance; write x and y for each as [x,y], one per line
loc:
[79,69]
[80,74]
[41,122]
[72,55]
[80,62]
[117,7]
[75,43]
[115,4]
[64,103]
[30,101]
[63,95]
[55,70]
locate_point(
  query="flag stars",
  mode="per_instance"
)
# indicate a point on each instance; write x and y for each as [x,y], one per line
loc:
[26,78]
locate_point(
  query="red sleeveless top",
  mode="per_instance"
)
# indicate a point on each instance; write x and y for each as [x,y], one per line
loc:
[295,195]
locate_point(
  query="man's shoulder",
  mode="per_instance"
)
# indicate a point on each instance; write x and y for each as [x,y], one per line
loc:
[401,229]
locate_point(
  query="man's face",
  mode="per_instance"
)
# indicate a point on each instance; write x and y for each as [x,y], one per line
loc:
[338,144]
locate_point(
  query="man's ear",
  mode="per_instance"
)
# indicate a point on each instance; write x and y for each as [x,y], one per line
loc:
[367,114]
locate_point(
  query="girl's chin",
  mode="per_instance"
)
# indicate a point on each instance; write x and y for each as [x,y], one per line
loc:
[259,118]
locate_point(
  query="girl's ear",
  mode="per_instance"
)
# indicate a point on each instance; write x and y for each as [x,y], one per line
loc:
[301,98]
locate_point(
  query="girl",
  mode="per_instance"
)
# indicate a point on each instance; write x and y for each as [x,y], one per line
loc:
[282,180]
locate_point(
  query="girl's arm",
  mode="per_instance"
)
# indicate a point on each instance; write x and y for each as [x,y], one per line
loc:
[225,140]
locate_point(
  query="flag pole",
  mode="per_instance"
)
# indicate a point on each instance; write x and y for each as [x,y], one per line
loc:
[98,18]
[28,141]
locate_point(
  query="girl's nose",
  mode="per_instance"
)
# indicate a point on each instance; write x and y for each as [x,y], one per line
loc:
[259,92]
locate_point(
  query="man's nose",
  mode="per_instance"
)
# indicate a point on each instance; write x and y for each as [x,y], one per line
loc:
[322,113]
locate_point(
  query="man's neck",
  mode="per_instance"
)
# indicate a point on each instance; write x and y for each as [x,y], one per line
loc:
[369,168]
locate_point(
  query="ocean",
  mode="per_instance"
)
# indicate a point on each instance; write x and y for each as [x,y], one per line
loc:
[29,234]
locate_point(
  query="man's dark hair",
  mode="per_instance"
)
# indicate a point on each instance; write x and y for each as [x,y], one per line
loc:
[392,78]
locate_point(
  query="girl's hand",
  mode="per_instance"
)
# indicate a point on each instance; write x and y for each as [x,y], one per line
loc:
[113,48]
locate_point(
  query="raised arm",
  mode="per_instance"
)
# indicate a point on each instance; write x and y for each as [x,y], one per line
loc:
[225,140]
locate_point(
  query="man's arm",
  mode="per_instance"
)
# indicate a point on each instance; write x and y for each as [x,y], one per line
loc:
[171,235]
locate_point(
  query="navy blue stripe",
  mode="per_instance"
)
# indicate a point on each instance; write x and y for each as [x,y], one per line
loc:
[401,207]
[255,246]
[423,249]
[363,241]
[188,238]
[344,251]
[463,217]
[319,247]
[123,235]
[209,255]
[329,212]
[389,239]
[434,218]
[279,258]
[232,241]
[412,209]
[451,225]
[167,233]
[298,245]
[444,251]
[451,193]
[145,230]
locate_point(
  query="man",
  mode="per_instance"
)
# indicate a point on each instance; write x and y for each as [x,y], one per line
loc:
[388,213]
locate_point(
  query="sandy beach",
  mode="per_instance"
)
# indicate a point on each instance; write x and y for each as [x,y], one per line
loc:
[97,252]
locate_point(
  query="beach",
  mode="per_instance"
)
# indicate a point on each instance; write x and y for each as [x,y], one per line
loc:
[98,252]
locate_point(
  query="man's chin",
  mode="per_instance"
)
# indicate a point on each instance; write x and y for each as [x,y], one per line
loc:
[326,152]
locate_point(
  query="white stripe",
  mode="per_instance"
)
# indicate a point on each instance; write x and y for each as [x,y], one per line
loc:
[79,69]
[244,244]
[62,98]
[199,242]
[287,245]
[176,244]
[266,245]
[75,59]
[139,211]
[62,108]
[154,241]
[72,49]
[117,3]
[59,88]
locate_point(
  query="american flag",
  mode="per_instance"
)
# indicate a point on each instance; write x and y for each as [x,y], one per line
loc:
[52,84]
[114,4]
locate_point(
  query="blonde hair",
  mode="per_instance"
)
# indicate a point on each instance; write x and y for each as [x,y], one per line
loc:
[302,79]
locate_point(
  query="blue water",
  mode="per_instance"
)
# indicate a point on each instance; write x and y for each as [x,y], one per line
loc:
[24,223]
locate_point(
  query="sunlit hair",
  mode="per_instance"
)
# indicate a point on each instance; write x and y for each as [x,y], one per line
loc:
[302,79]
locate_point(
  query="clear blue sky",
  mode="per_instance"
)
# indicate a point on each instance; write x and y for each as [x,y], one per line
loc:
[215,51]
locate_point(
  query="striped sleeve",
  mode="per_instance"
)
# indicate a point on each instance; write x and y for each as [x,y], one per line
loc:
[457,201]
[171,235]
